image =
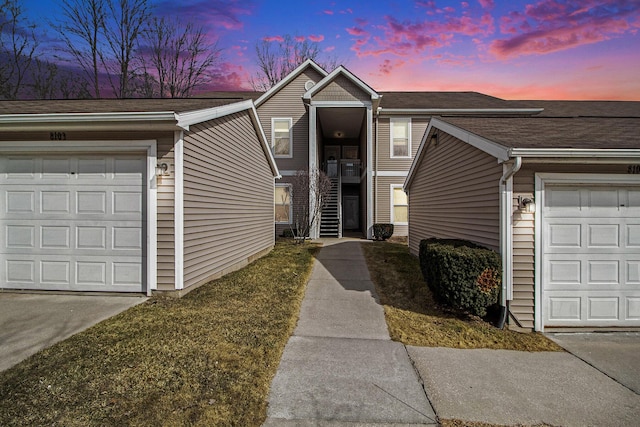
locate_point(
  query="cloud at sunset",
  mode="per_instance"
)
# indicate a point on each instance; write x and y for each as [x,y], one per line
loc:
[550,26]
[215,13]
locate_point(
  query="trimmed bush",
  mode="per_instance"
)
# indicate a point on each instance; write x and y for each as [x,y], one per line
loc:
[382,231]
[461,274]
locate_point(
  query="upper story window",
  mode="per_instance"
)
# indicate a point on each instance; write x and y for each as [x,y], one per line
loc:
[399,206]
[400,138]
[282,137]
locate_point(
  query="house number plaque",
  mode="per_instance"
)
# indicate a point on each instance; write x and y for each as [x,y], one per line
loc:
[57,136]
[634,169]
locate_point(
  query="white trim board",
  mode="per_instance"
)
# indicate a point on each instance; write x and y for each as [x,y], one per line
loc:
[400,174]
[178,215]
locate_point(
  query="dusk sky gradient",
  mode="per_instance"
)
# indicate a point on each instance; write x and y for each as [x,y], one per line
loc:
[534,49]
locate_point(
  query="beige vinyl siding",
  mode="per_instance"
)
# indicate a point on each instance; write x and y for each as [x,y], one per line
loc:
[383,201]
[228,198]
[287,102]
[165,142]
[385,162]
[342,89]
[455,194]
[522,305]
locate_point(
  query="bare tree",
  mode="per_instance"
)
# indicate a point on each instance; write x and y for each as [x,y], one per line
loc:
[82,31]
[18,45]
[180,55]
[277,59]
[125,23]
[45,80]
[310,190]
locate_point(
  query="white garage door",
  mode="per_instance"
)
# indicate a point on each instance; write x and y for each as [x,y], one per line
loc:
[72,222]
[591,256]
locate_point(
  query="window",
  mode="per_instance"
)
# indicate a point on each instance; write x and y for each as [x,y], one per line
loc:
[399,206]
[400,137]
[282,202]
[281,140]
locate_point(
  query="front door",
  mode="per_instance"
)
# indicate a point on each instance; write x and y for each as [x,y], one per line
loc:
[351,212]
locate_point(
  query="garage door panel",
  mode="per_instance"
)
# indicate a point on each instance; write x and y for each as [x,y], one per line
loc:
[632,311]
[603,235]
[591,256]
[603,308]
[74,223]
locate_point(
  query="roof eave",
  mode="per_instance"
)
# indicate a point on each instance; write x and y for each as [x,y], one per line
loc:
[86,120]
[574,152]
[460,111]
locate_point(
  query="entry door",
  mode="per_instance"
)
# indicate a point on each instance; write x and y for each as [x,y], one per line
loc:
[72,222]
[591,256]
[351,212]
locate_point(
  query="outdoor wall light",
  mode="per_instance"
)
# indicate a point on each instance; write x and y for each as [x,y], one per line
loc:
[434,138]
[162,169]
[526,204]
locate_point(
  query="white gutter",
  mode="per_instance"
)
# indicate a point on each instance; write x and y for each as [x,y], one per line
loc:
[506,239]
[574,152]
[461,111]
[375,172]
[88,117]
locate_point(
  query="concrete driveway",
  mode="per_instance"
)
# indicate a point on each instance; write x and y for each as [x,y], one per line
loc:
[32,322]
[615,354]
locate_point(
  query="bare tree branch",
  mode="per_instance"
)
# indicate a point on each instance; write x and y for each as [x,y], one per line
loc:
[18,45]
[308,186]
[180,55]
[82,29]
[124,25]
[277,60]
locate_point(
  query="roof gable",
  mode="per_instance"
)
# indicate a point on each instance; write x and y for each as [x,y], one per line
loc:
[292,75]
[346,74]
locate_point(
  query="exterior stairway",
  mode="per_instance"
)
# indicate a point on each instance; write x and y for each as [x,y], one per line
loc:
[330,218]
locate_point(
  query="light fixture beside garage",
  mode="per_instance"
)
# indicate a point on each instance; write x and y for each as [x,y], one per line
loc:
[162,169]
[526,205]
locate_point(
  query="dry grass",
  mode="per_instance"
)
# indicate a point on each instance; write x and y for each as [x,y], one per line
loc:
[459,423]
[206,359]
[414,318]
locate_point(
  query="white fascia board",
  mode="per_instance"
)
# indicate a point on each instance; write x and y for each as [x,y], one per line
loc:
[401,174]
[498,151]
[263,142]
[163,116]
[458,111]
[341,104]
[328,79]
[198,116]
[292,75]
[560,153]
[418,158]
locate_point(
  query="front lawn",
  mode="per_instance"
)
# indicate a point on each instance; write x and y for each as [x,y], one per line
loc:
[206,359]
[414,318]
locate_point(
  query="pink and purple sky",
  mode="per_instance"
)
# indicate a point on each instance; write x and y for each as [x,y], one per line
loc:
[532,49]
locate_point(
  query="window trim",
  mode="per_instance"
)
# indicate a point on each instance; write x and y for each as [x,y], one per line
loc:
[393,205]
[392,120]
[290,186]
[273,137]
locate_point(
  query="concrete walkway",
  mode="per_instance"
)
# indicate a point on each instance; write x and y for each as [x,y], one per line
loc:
[340,367]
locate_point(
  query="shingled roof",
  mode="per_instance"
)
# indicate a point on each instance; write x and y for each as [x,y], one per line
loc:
[584,108]
[445,100]
[555,132]
[176,105]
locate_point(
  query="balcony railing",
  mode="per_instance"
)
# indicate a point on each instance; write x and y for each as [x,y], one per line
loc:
[350,171]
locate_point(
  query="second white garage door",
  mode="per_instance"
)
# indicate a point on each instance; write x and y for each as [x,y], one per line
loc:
[72,222]
[591,256]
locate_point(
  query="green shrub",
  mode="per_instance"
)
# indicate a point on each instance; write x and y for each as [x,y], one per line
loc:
[382,231]
[461,274]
